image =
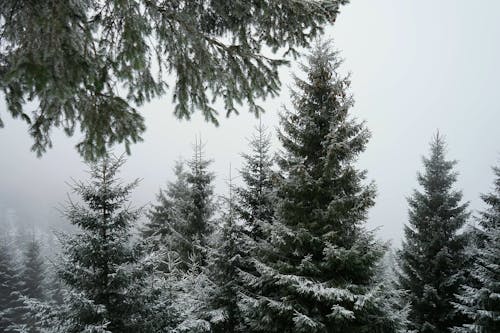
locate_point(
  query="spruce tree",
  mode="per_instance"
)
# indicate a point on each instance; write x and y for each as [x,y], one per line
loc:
[33,272]
[226,251]
[255,198]
[432,256]
[33,283]
[104,275]
[10,288]
[182,219]
[167,219]
[479,299]
[317,268]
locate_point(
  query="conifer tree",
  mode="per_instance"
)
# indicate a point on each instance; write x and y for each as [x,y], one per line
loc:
[104,276]
[182,217]
[226,252]
[165,229]
[10,287]
[33,272]
[432,256]
[33,283]
[479,299]
[255,197]
[317,268]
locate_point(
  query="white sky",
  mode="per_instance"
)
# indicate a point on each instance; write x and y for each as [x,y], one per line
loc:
[417,66]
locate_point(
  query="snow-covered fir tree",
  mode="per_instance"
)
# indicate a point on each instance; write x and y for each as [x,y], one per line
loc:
[107,282]
[181,220]
[167,219]
[226,251]
[255,198]
[432,257]
[33,282]
[33,271]
[479,299]
[200,180]
[10,287]
[317,268]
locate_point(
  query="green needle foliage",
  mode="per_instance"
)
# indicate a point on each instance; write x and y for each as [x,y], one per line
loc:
[316,270]
[88,64]
[480,297]
[432,258]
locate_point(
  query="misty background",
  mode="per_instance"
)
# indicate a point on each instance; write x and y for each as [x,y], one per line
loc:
[417,66]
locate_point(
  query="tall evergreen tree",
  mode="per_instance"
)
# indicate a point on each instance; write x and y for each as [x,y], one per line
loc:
[182,218]
[432,256]
[167,219]
[226,252]
[103,273]
[317,268]
[480,296]
[255,197]
[33,272]
[33,283]
[10,286]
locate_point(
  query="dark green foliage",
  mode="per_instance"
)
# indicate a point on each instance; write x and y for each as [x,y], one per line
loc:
[226,253]
[255,198]
[72,58]
[181,221]
[317,268]
[432,257]
[480,296]
[103,273]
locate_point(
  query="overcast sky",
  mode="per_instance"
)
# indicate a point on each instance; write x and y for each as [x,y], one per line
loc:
[417,66]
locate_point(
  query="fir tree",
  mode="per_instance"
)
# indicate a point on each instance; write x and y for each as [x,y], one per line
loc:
[480,296]
[167,219]
[104,275]
[10,287]
[33,272]
[255,197]
[182,218]
[56,54]
[226,252]
[33,283]
[317,268]
[432,258]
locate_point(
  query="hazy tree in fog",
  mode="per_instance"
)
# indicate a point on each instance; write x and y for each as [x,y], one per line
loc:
[10,287]
[182,218]
[105,277]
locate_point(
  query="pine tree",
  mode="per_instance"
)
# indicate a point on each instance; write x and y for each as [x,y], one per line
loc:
[104,275]
[10,287]
[255,197]
[61,59]
[317,268]
[480,296]
[432,256]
